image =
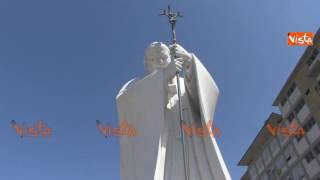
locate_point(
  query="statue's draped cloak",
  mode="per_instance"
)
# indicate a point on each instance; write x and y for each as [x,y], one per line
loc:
[156,151]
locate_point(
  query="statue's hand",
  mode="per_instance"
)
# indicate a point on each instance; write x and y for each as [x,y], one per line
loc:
[173,68]
[179,52]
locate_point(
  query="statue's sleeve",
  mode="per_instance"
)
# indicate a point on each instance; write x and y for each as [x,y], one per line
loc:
[191,83]
[203,91]
[201,88]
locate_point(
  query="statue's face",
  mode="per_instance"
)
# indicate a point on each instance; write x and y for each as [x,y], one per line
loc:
[157,56]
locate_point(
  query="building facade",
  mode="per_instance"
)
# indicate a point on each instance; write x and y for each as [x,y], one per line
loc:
[278,157]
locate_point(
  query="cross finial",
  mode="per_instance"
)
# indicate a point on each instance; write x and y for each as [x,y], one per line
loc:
[172,16]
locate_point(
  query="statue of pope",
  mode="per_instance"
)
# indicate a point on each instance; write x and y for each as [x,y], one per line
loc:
[150,104]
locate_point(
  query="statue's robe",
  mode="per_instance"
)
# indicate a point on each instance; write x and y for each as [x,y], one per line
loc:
[151,106]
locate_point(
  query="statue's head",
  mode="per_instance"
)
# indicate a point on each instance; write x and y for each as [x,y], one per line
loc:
[157,56]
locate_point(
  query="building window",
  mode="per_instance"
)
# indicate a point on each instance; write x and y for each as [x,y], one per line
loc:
[310,123]
[289,153]
[317,149]
[309,157]
[307,92]
[299,106]
[298,138]
[313,56]
[317,88]
[289,177]
[283,101]
[272,172]
[291,117]
[290,91]
[280,163]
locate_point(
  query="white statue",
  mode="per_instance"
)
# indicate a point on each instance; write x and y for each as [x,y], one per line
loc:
[150,104]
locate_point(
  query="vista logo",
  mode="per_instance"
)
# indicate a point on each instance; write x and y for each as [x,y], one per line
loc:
[300,39]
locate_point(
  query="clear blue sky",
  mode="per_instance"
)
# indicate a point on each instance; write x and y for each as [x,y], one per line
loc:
[64,61]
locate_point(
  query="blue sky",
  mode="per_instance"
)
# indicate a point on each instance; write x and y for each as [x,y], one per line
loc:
[64,61]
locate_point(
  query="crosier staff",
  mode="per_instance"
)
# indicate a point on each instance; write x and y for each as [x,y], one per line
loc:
[172,16]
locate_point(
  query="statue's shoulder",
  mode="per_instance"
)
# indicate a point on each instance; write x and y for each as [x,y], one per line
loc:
[133,82]
[127,86]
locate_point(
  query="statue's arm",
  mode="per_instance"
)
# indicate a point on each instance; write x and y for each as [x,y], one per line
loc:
[188,61]
[169,73]
[189,69]
[171,70]
[185,58]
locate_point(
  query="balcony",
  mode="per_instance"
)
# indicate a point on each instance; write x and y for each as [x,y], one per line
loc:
[285,109]
[298,172]
[288,177]
[259,165]
[266,156]
[290,155]
[314,133]
[295,96]
[264,177]
[275,147]
[252,171]
[283,140]
[301,146]
[314,67]
[303,113]
[312,167]
[292,160]
[281,164]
